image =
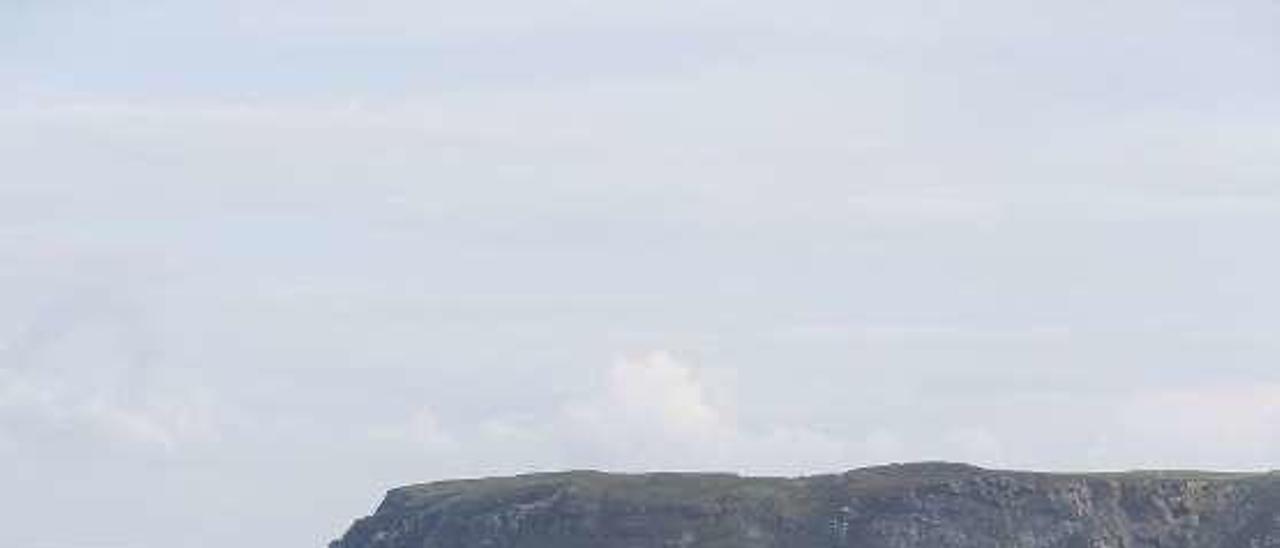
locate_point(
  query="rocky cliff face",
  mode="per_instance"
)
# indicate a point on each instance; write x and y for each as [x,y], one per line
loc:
[931,505]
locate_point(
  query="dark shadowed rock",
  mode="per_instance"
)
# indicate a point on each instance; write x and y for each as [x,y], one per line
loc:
[926,505]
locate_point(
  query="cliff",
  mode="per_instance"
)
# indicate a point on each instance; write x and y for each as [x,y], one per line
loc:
[927,505]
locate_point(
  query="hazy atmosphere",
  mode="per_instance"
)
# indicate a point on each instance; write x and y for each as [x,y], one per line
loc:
[261,261]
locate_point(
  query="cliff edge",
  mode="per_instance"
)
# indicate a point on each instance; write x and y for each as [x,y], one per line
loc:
[922,505]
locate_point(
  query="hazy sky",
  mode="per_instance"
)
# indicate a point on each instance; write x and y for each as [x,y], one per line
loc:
[261,260]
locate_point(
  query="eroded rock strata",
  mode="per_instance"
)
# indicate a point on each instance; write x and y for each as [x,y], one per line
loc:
[929,505]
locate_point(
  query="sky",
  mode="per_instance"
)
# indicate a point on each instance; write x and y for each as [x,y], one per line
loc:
[262,260]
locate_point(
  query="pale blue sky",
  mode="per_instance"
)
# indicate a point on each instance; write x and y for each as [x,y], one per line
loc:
[260,261]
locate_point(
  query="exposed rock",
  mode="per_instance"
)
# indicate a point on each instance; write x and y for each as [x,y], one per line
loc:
[927,505]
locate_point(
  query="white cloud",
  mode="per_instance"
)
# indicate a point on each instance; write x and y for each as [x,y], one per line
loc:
[170,427]
[653,394]
[422,431]
[650,408]
[36,404]
[649,411]
[1223,426]
[656,411]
